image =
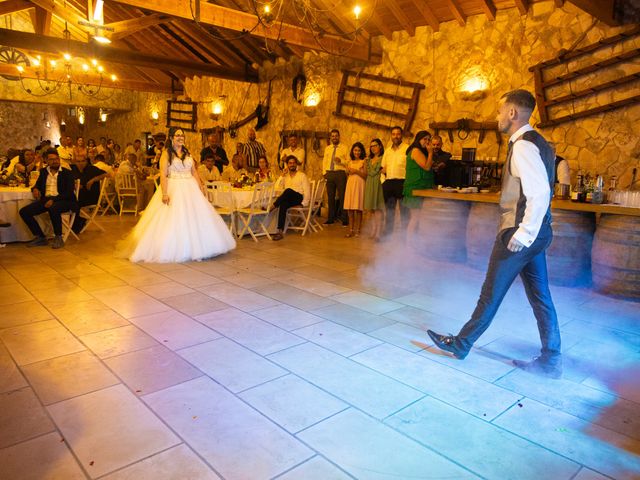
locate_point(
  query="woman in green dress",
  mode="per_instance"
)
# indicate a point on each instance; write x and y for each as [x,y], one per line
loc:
[419,175]
[373,197]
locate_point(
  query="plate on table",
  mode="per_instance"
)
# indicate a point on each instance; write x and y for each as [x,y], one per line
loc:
[448,190]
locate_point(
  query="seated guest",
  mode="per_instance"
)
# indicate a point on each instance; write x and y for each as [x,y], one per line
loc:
[53,193]
[89,177]
[234,171]
[263,174]
[219,154]
[146,186]
[297,191]
[65,151]
[440,160]
[208,171]
[100,162]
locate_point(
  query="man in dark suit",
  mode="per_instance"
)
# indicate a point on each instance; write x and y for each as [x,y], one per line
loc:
[54,192]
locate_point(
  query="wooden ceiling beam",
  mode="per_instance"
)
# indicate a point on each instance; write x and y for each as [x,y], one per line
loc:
[12,38]
[67,13]
[238,21]
[212,45]
[41,20]
[601,9]
[523,6]
[489,9]
[426,11]
[88,79]
[559,3]
[402,18]
[457,12]
[382,26]
[124,28]
[10,6]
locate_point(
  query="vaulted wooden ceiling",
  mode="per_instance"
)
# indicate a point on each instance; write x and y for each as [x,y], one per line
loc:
[156,44]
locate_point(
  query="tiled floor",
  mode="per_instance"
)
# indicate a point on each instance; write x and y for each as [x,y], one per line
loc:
[302,359]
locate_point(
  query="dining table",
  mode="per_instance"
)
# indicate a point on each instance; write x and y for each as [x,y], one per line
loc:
[12,199]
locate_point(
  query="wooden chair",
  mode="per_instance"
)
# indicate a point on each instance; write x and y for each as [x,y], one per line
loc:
[89,212]
[304,218]
[127,187]
[108,197]
[257,211]
[69,217]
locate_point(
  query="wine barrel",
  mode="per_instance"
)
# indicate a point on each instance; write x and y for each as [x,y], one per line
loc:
[442,229]
[482,228]
[616,256]
[569,256]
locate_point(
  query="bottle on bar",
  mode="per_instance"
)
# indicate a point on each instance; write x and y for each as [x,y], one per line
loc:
[578,189]
[588,188]
[598,195]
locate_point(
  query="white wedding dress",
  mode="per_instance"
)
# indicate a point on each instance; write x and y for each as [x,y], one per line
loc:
[188,228]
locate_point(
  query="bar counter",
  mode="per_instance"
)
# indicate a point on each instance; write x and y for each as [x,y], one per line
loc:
[594,245]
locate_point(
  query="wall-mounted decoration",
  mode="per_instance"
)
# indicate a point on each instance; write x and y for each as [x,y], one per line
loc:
[392,101]
[464,126]
[182,114]
[571,79]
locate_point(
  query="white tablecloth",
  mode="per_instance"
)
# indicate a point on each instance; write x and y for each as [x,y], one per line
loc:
[12,199]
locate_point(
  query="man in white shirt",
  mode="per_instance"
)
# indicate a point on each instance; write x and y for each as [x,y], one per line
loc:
[137,150]
[208,171]
[232,173]
[65,151]
[334,165]
[297,191]
[146,186]
[523,237]
[292,149]
[394,167]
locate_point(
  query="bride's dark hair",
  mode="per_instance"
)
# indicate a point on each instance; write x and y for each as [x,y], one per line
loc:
[172,151]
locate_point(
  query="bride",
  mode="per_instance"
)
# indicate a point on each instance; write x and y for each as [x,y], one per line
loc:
[179,224]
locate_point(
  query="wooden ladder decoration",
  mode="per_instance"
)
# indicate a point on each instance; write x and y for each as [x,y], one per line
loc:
[182,114]
[382,96]
[546,101]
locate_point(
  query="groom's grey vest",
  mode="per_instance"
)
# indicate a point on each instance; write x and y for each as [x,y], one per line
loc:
[512,200]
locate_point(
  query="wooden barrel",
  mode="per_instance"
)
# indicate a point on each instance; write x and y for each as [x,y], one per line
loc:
[442,229]
[616,256]
[482,228]
[569,256]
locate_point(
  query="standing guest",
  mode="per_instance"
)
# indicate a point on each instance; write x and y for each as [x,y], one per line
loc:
[208,171]
[292,149]
[523,236]
[440,161]
[373,195]
[159,147]
[65,151]
[92,150]
[354,191]
[89,177]
[334,163]
[394,168]
[419,176]
[264,173]
[297,191]
[117,154]
[80,149]
[109,153]
[253,149]
[102,146]
[236,170]
[179,224]
[54,192]
[214,148]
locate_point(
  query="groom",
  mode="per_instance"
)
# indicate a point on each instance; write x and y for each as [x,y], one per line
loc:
[523,236]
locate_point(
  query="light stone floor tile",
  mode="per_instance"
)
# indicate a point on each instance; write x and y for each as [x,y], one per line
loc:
[311,285]
[192,277]
[586,474]
[61,294]
[315,469]
[21,313]
[129,301]
[139,277]
[98,281]
[68,376]
[599,333]
[439,306]
[73,268]
[117,341]
[14,293]
[337,338]
[352,317]
[232,365]
[195,303]
[401,335]
[287,317]
[87,317]
[174,330]
[247,280]
[463,391]
[39,341]
[43,458]
[241,298]
[302,406]
[366,302]
[357,385]
[595,447]
[22,417]
[10,376]
[470,442]
[214,423]
[256,335]
[164,290]
[177,463]
[367,449]
[294,296]
[152,369]
[109,429]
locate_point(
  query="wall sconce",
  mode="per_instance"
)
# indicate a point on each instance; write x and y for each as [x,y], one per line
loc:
[311,101]
[155,116]
[103,116]
[217,107]
[473,86]
[80,114]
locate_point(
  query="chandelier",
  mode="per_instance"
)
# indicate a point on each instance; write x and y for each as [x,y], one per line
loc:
[54,74]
